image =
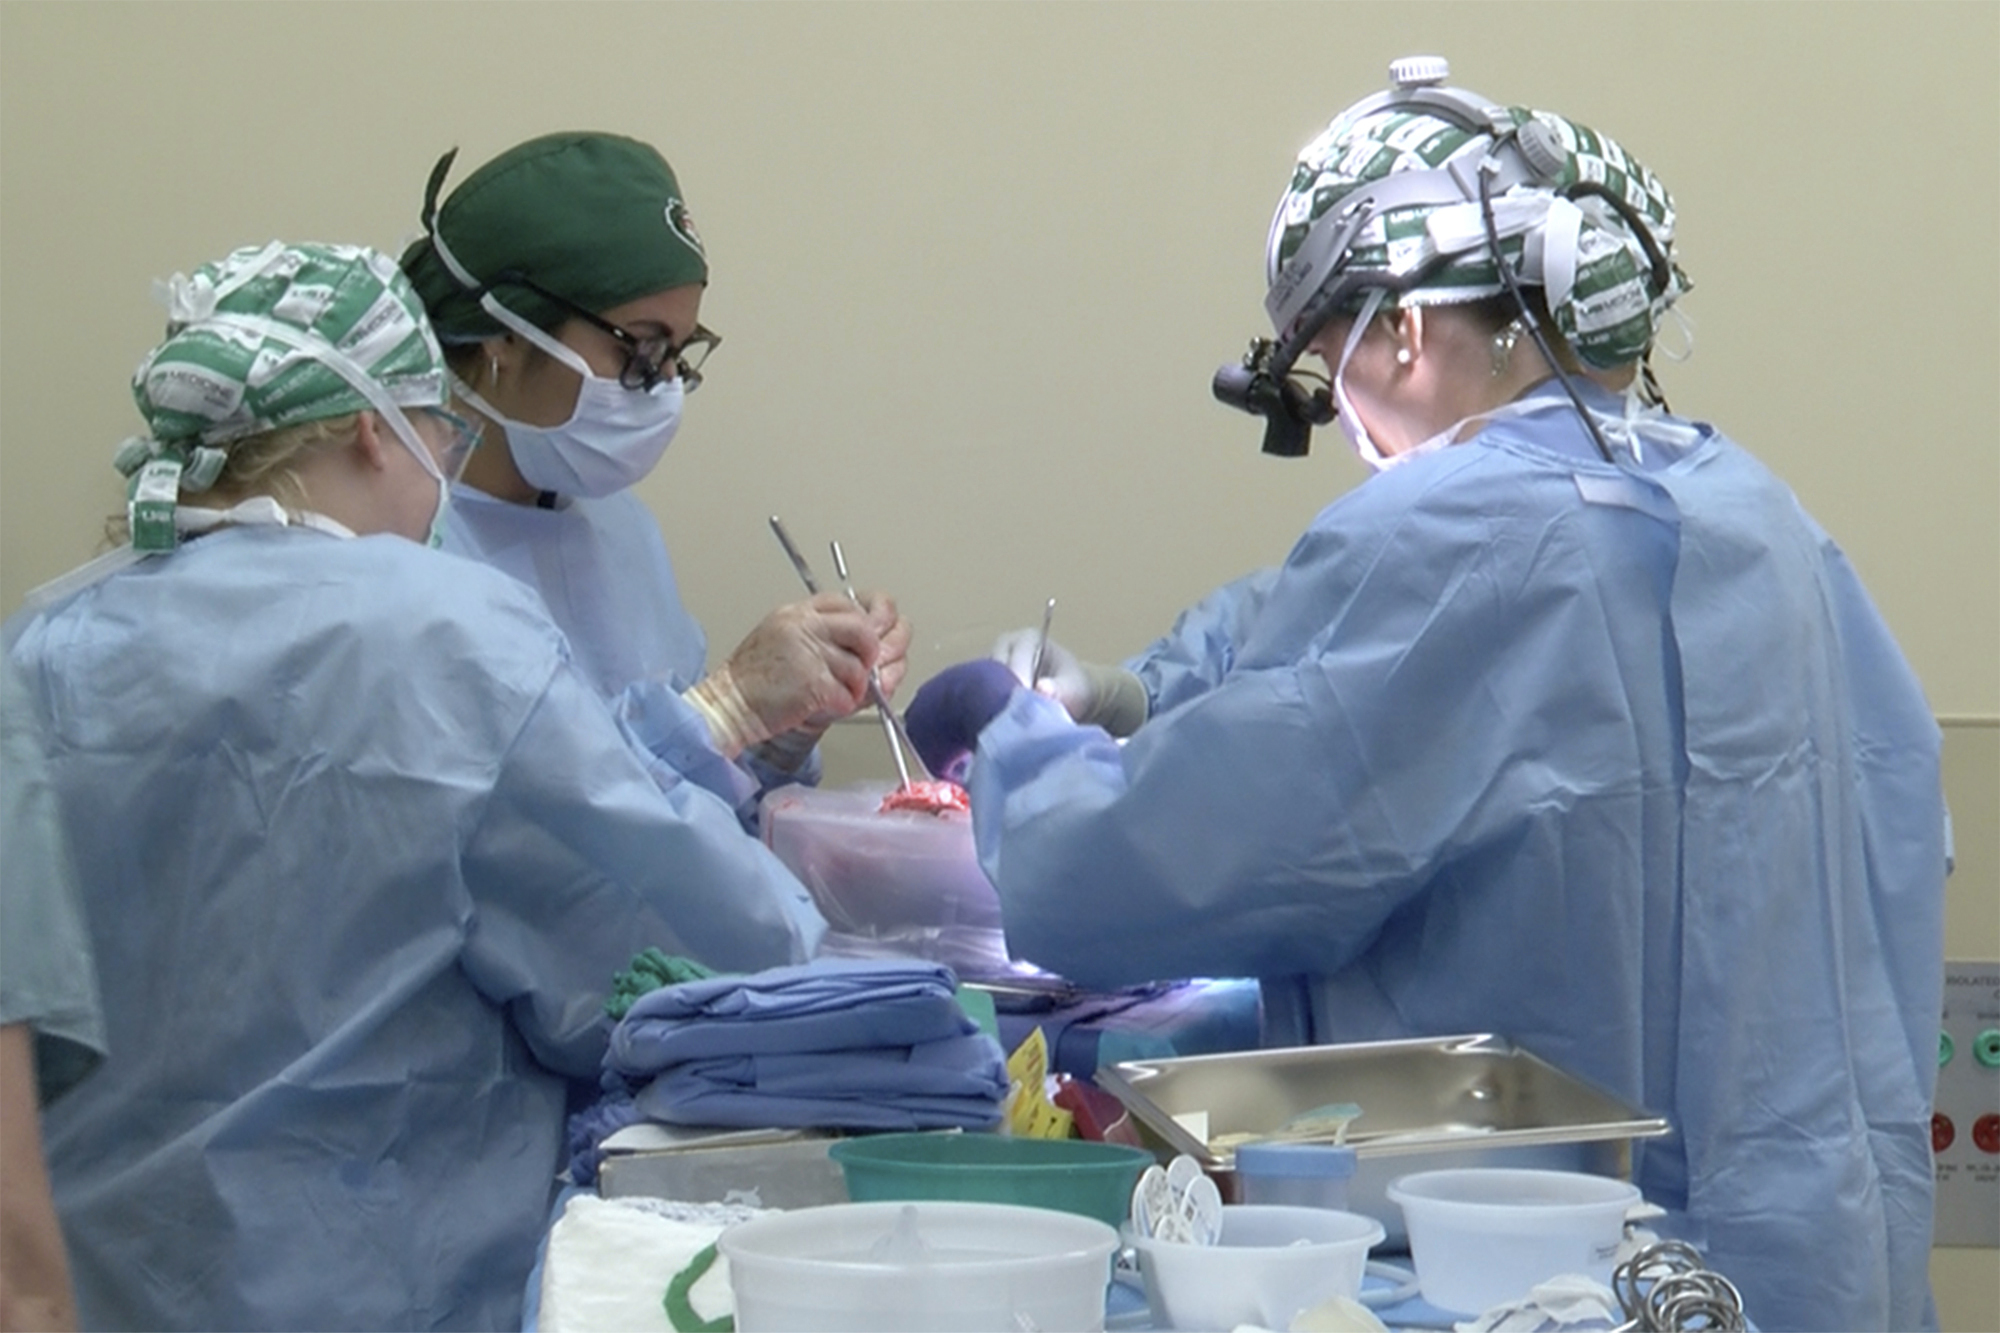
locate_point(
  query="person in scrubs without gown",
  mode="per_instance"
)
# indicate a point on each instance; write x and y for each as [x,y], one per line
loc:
[1569,724]
[51,1026]
[361,847]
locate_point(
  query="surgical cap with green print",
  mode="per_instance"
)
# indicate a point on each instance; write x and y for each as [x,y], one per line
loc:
[1606,285]
[269,337]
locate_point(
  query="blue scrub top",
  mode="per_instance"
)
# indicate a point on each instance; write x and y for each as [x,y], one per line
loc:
[47,978]
[1619,762]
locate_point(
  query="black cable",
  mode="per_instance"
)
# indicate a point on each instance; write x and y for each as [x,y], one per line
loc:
[1534,326]
[1649,384]
[1656,258]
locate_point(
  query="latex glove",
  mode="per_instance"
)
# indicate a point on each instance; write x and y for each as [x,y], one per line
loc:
[804,665]
[788,750]
[952,708]
[892,633]
[1106,696]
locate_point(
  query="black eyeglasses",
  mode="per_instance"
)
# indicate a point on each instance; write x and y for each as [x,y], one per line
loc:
[647,355]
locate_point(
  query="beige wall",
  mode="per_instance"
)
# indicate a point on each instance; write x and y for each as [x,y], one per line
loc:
[976,263]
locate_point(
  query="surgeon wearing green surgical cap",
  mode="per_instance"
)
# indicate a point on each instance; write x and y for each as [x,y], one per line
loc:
[565,278]
[359,849]
[1568,724]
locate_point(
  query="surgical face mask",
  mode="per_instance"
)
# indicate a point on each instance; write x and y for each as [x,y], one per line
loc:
[613,437]
[435,537]
[407,433]
[1344,415]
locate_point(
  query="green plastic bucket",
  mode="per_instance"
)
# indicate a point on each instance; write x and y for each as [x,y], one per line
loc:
[1070,1175]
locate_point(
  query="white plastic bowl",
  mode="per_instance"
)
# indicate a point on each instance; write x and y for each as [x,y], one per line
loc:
[1272,1261]
[898,885]
[1483,1236]
[906,1267]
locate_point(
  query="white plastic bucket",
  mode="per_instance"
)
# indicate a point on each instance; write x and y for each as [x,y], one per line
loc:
[1480,1237]
[905,1267]
[1271,1262]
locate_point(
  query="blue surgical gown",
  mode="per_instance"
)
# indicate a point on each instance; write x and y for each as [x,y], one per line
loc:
[602,570]
[1619,762]
[362,851]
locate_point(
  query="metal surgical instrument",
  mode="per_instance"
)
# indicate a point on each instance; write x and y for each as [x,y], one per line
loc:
[1041,644]
[891,724]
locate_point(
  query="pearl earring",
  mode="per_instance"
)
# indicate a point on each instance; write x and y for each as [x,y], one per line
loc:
[1402,356]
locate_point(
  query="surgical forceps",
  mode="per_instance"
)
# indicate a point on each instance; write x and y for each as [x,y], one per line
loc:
[892,725]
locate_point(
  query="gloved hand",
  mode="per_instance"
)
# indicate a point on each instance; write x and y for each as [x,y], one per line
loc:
[804,665]
[952,708]
[1106,696]
[892,633]
[788,750]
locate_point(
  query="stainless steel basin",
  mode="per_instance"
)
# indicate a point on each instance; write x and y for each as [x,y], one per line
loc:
[1469,1100]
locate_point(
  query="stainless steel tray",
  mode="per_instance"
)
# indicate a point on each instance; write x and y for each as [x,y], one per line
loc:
[789,1172]
[1468,1100]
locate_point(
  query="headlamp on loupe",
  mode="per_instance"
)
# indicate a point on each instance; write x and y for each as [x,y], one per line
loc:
[1290,406]
[1269,384]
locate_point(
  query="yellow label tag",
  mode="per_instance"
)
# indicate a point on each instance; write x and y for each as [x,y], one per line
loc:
[1030,1113]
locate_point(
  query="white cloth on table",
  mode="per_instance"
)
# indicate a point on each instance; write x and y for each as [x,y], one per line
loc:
[609,1262]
